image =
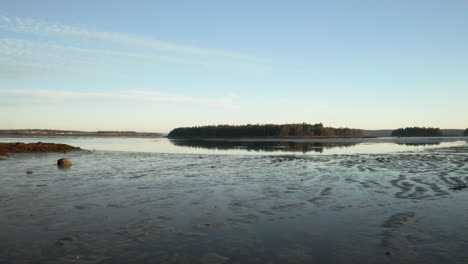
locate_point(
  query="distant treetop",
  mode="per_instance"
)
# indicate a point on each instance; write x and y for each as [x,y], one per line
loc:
[417,132]
[264,130]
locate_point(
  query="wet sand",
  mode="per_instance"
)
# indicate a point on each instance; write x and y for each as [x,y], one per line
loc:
[124,207]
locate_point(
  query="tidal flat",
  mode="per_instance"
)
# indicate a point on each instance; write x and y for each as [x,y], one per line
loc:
[343,204]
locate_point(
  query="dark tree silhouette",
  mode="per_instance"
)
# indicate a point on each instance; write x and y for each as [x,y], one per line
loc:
[268,146]
[417,132]
[466,132]
[266,130]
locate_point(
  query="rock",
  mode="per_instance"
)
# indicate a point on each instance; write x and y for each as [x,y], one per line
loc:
[85,206]
[458,188]
[29,172]
[64,163]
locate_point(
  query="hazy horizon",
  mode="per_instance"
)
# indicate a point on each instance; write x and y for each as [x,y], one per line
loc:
[165,132]
[153,66]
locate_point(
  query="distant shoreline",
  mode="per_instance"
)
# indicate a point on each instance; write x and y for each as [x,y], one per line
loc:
[45,133]
[79,135]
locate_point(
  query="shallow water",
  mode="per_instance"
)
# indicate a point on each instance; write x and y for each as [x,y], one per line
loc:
[272,207]
[254,146]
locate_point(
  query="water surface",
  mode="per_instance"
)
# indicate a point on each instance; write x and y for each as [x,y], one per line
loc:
[225,205]
[253,146]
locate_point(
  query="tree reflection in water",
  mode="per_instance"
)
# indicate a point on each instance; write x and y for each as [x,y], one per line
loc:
[260,146]
[420,144]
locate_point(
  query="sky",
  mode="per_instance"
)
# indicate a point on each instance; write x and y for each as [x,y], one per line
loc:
[156,65]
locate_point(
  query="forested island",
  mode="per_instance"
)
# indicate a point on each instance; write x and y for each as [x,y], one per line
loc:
[264,130]
[417,132]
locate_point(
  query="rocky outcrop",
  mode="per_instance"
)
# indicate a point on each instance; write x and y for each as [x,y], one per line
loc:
[39,147]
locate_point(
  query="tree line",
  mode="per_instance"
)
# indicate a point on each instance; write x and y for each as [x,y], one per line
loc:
[466,132]
[417,132]
[265,130]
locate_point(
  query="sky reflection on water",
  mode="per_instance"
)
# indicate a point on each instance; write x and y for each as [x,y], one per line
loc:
[252,146]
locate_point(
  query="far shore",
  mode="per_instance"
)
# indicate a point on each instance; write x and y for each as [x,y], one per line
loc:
[73,136]
[45,133]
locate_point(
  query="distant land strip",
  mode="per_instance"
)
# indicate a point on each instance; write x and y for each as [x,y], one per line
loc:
[73,133]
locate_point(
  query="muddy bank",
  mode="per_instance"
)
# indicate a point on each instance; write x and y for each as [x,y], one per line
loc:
[39,147]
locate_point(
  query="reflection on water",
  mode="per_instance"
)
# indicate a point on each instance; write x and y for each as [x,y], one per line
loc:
[253,146]
[426,144]
[265,146]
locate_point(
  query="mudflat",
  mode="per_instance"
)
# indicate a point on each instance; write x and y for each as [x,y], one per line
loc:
[39,147]
[142,207]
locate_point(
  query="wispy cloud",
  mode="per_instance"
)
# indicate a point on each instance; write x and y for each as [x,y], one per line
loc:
[37,27]
[25,59]
[128,96]
[25,49]
[38,48]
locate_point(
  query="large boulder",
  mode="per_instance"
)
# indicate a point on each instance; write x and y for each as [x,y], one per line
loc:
[64,163]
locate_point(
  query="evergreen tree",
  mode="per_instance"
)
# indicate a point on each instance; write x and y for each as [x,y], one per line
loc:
[417,132]
[267,130]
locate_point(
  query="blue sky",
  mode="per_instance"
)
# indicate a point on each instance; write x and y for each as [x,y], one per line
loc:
[156,65]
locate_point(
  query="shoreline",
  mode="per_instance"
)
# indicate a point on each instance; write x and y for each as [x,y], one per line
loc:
[76,136]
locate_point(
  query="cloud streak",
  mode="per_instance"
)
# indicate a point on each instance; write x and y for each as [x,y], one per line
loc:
[42,28]
[135,96]
[72,50]
[25,49]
